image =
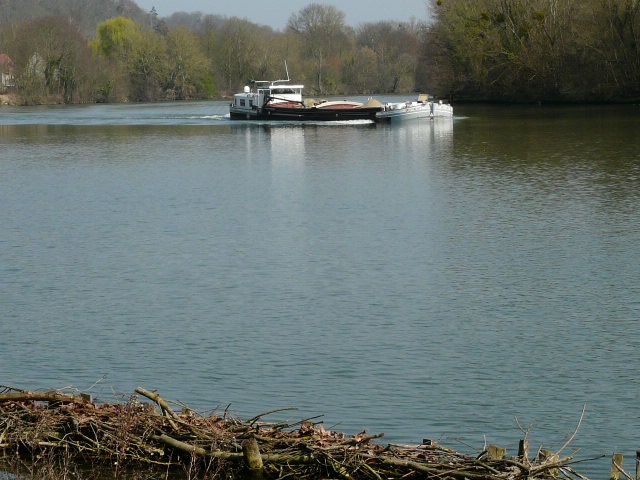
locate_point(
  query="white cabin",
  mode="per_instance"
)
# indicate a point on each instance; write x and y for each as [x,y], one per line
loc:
[265,91]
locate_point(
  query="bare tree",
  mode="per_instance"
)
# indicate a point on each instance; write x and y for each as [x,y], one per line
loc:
[53,58]
[324,37]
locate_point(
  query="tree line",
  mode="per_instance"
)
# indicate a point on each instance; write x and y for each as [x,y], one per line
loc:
[536,50]
[195,56]
[497,50]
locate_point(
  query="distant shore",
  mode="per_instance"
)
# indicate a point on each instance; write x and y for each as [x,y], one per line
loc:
[15,100]
[8,99]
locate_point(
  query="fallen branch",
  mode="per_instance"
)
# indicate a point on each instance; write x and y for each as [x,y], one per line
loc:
[51,397]
[166,409]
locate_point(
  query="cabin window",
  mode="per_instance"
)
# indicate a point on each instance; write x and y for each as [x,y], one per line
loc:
[242,102]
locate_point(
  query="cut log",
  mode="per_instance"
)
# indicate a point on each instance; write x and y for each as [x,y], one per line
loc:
[51,397]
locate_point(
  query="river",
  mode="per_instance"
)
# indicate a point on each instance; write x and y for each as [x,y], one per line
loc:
[465,280]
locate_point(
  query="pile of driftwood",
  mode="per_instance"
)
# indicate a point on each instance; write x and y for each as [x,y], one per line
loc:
[138,433]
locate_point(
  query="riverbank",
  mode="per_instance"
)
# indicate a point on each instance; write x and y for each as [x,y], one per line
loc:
[67,428]
[8,99]
[15,100]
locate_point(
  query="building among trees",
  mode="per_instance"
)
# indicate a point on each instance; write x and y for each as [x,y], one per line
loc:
[7,72]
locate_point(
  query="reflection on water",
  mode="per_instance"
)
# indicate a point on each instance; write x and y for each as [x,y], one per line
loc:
[287,146]
[433,279]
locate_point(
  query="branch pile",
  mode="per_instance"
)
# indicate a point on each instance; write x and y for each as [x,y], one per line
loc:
[138,433]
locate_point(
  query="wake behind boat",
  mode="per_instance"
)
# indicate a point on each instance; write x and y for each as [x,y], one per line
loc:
[277,100]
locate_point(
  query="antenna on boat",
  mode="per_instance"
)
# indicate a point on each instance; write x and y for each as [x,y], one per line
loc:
[286,68]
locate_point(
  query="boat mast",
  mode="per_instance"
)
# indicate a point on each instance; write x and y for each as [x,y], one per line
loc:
[286,68]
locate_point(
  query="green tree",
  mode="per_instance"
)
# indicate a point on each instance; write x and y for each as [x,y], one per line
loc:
[496,48]
[188,68]
[115,42]
[116,37]
[461,38]
[148,67]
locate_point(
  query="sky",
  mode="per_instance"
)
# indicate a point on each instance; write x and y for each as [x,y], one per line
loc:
[276,13]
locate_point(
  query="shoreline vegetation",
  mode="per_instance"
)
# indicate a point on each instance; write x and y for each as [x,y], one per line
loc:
[60,434]
[519,51]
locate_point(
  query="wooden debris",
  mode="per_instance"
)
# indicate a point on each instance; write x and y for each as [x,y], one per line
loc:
[135,433]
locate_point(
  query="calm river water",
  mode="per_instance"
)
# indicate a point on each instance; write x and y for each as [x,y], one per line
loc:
[455,280]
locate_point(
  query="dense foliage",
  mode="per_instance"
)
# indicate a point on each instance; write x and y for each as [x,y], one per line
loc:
[189,56]
[534,50]
[499,50]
